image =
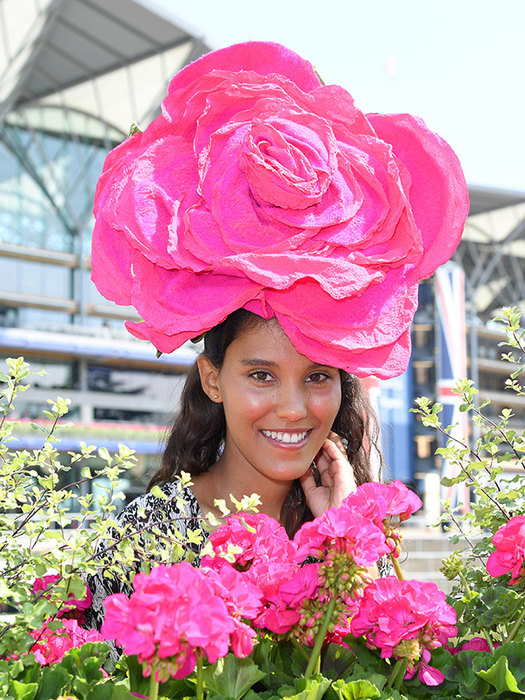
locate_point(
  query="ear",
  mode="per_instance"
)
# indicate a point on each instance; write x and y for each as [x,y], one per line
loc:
[209,375]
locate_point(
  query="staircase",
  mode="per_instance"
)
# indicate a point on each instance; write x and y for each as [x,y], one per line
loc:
[423,549]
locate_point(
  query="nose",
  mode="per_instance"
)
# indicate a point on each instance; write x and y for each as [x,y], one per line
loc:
[291,403]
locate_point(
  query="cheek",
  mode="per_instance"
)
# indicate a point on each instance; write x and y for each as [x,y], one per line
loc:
[327,407]
[246,404]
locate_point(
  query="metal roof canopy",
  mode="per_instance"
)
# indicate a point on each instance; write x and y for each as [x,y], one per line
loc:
[71,42]
[483,199]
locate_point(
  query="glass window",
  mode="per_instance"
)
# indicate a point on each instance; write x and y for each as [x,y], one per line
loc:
[59,374]
[162,387]
[129,416]
[33,410]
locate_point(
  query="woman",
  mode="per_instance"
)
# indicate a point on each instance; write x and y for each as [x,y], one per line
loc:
[256,417]
[264,211]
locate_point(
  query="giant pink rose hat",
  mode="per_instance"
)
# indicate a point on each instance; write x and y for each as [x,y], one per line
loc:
[259,187]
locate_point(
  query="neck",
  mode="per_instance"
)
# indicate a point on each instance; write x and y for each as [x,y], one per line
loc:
[219,482]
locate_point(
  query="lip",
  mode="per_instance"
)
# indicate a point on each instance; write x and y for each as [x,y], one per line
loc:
[287,445]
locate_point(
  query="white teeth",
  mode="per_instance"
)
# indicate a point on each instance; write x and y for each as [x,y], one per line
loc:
[285,437]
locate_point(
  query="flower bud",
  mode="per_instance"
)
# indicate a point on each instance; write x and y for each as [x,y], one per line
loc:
[408,649]
[452,566]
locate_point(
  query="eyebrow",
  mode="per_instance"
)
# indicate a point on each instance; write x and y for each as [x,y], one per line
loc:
[257,361]
[249,362]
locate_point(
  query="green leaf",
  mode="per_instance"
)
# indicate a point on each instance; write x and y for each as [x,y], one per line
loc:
[23,691]
[306,689]
[367,658]
[103,453]
[54,680]
[337,661]
[158,493]
[275,659]
[263,695]
[500,676]
[458,669]
[354,690]
[110,691]
[231,676]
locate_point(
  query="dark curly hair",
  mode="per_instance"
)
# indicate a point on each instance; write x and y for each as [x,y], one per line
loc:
[198,431]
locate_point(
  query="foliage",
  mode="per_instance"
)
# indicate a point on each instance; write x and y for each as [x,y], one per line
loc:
[493,467]
[50,527]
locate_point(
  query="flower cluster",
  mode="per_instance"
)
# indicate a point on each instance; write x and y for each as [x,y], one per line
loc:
[256,545]
[317,586]
[71,608]
[405,619]
[385,505]
[509,541]
[177,612]
[296,592]
[51,645]
[474,644]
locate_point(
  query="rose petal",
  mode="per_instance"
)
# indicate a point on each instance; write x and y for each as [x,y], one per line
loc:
[439,194]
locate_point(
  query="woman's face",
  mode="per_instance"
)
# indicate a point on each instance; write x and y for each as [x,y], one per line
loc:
[279,405]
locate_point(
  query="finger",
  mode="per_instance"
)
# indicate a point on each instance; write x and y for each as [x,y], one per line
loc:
[335,467]
[336,439]
[308,482]
[332,452]
[329,457]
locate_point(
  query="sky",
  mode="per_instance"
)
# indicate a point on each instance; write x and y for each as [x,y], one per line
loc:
[458,64]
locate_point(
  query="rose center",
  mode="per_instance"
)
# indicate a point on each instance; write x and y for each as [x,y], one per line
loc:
[286,164]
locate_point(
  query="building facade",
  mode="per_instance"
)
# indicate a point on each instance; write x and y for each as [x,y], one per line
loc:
[73,75]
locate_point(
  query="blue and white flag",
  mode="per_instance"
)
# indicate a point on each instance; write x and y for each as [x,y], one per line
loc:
[451,366]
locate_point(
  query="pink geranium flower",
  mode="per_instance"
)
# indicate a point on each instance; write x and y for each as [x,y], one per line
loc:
[243,601]
[509,541]
[285,607]
[52,645]
[426,673]
[339,530]
[474,644]
[265,556]
[403,618]
[258,187]
[299,605]
[173,612]
[73,608]
[382,501]
[386,505]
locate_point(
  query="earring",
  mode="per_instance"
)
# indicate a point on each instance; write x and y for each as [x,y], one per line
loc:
[215,397]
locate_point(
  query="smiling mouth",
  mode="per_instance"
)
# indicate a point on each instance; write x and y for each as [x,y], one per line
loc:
[286,438]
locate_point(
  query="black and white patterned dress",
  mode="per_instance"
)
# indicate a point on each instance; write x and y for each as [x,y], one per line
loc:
[146,515]
[150,515]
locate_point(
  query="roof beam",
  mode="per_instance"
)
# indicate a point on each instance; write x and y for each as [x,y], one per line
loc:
[51,18]
[121,22]
[105,71]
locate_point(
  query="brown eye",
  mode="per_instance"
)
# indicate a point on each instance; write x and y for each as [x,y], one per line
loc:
[317,377]
[261,376]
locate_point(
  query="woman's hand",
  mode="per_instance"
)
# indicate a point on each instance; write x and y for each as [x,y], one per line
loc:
[336,475]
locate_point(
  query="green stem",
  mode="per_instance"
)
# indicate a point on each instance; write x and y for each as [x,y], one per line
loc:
[516,626]
[200,680]
[487,637]
[465,585]
[401,675]
[153,688]
[316,652]
[397,674]
[397,568]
